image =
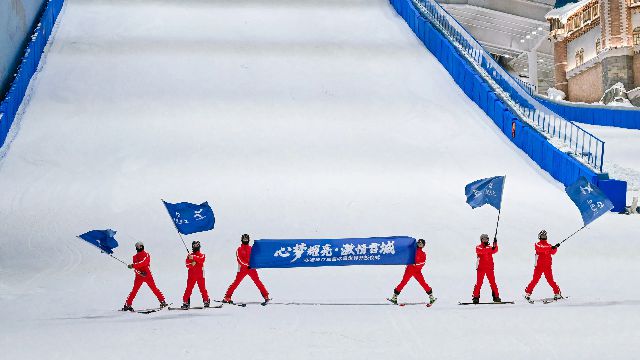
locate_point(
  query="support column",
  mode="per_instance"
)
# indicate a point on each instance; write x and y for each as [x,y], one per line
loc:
[560,56]
[532,56]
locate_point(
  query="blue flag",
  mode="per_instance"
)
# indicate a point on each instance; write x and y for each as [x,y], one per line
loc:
[590,200]
[394,250]
[102,239]
[191,218]
[485,191]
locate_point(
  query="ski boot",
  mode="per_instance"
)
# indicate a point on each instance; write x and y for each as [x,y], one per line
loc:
[431,300]
[527,296]
[496,298]
[266,301]
[127,308]
[394,299]
[227,301]
[557,296]
[185,305]
[475,300]
[207,303]
[163,304]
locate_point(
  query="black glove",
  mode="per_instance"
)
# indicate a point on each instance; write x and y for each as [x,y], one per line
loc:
[555,246]
[248,267]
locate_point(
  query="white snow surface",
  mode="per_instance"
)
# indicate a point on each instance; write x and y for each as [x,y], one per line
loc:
[294,119]
[564,13]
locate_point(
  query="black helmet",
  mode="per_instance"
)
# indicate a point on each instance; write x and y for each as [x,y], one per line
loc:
[195,245]
[421,241]
[139,246]
[542,235]
[245,238]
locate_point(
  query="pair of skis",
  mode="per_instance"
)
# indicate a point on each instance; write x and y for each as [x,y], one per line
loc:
[548,300]
[427,304]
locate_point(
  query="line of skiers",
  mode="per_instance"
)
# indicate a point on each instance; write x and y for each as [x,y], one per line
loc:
[484,268]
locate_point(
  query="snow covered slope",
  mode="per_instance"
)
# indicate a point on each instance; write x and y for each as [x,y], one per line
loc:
[293,119]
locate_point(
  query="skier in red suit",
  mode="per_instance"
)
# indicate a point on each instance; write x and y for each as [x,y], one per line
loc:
[414,270]
[243,254]
[195,264]
[484,267]
[544,251]
[141,263]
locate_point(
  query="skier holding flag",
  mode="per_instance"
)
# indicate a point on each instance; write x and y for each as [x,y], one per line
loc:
[415,270]
[484,267]
[243,255]
[195,263]
[544,251]
[141,266]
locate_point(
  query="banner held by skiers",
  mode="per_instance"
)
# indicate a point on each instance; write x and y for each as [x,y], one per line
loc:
[394,250]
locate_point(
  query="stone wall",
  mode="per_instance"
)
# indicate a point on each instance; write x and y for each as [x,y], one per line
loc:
[560,66]
[617,69]
[636,71]
[586,86]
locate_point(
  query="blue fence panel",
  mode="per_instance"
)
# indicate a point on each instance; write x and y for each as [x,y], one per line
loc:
[28,66]
[596,114]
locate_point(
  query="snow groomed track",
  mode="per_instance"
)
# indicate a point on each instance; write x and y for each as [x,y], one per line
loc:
[293,119]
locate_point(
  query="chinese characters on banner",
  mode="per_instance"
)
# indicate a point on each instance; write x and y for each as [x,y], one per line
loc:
[395,250]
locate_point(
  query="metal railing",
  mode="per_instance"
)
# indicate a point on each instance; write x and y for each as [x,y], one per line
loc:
[518,95]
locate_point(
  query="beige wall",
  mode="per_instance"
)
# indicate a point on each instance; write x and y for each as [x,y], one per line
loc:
[586,86]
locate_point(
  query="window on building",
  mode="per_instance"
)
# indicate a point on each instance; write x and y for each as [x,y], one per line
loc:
[586,16]
[595,11]
[579,57]
[598,46]
[576,22]
[636,35]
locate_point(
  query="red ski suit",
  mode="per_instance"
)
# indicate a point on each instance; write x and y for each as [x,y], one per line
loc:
[485,267]
[243,254]
[415,271]
[544,251]
[141,262]
[196,275]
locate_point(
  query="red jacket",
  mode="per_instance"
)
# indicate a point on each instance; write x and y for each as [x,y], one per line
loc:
[485,256]
[543,253]
[243,254]
[198,268]
[421,258]
[141,262]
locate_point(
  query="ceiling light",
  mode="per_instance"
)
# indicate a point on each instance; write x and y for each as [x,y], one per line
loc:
[533,32]
[528,36]
[521,40]
[525,69]
[540,28]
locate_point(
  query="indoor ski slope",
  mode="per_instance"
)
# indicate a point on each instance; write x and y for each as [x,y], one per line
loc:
[308,118]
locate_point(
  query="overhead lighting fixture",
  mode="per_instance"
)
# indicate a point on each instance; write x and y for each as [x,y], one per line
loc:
[528,36]
[521,40]
[540,28]
[534,32]
[525,69]
[540,60]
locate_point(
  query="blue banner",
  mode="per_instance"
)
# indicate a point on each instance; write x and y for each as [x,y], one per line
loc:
[590,200]
[102,239]
[394,250]
[191,218]
[485,191]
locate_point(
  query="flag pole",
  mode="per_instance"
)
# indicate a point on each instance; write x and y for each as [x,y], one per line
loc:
[499,210]
[174,225]
[568,237]
[111,255]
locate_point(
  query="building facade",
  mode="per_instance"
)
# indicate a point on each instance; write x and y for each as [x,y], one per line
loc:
[596,45]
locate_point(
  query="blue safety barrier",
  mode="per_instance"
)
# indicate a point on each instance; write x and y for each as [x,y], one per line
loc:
[596,115]
[459,61]
[28,66]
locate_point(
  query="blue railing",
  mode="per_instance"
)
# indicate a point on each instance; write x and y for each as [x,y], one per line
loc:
[628,118]
[28,66]
[563,134]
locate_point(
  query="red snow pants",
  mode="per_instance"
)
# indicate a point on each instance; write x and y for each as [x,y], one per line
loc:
[191,282]
[137,283]
[253,274]
[492,281]
[415,272]
[537,274]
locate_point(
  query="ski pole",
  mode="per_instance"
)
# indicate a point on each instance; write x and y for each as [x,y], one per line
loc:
[499,210]
[174,225]
[136,270]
